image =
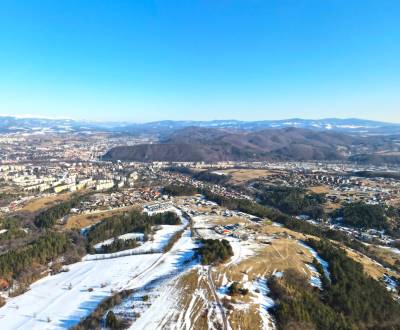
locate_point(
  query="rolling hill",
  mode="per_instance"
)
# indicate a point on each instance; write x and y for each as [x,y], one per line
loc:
[212,144]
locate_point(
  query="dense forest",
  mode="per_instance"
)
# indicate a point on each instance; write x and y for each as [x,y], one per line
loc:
[243,205]
[49,217]
[180,169]
[16,264]
[366,216]
[349,300]
[13,230]
[292,200]
[377,174]
[180,190]
[206,176]
[211,177]
[214,251]
[363,216]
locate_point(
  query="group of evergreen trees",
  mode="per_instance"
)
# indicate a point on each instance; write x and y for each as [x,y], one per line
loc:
[210,177]
[292,200]
[14,231]
[180,190]
[95,320]
[180,169]
[134,221]
[16,263]
[48,217]
[362,215]
[367,216]
[214,251]
[119,245]
[243,205]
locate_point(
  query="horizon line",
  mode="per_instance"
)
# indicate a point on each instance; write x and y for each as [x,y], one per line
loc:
[31,116]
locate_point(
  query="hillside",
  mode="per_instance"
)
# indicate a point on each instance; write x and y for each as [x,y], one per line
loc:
[211,144]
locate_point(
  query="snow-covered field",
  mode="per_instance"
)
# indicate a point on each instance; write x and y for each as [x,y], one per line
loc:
[261,291]
[60,301]
[165,298]
[154,245]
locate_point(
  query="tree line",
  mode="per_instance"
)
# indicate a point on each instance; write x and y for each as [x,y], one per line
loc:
[134,221]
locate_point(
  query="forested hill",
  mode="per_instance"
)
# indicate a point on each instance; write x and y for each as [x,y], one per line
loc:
[212,144]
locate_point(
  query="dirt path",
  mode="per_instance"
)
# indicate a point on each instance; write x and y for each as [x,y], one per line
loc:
[221,308]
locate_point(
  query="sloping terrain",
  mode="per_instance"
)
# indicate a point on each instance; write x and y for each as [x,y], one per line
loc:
[210,144]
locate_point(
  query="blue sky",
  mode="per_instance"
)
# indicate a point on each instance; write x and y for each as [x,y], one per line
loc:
[210,59]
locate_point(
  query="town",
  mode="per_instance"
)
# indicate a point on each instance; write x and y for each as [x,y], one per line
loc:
[74,192]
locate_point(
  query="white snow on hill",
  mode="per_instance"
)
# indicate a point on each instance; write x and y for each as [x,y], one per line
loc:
[60,301]
[137,236]
[156,244]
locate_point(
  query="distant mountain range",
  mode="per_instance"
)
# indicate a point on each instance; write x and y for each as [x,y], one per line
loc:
[221,144]
[360,140]
[13,124]
[350,125]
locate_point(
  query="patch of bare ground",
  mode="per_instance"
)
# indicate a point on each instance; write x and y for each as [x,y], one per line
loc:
[228,221]
[283,253]
[371,267]
[41,203]
[386,254]
[78,221]
[319,189]
[196,303]
[248,318]
[239,176]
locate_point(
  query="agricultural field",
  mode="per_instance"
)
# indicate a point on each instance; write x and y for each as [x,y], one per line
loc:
[239,176]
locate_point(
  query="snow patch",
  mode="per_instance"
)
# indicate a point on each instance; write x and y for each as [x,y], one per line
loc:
[323,263]
[261,291]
